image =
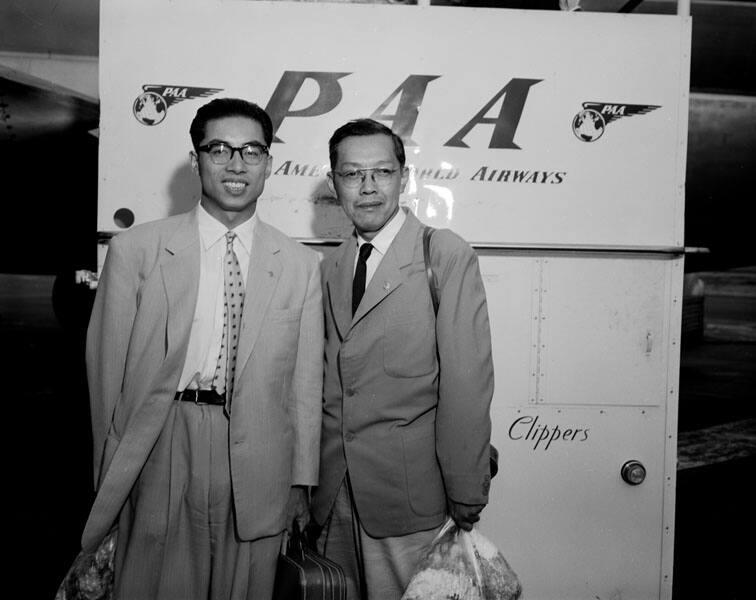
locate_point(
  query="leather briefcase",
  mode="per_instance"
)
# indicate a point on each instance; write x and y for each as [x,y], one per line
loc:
[303,574]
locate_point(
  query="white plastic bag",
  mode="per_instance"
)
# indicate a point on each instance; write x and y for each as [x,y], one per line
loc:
[463,565]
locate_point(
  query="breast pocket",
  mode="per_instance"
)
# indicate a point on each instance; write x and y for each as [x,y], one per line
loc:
[409,348]
[278,340]
[285,314]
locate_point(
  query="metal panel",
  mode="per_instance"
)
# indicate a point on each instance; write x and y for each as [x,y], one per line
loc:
[512,287]
[581,152]
[576,325]
[562,515]
[604,327]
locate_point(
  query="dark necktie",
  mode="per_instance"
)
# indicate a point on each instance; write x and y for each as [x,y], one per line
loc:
[358,285]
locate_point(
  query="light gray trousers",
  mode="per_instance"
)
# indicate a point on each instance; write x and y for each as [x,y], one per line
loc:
[177,537]
[389,562]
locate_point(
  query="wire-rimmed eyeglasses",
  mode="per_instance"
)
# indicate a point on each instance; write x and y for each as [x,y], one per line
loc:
[356,177]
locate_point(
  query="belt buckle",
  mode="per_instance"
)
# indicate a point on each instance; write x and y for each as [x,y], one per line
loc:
[194,391]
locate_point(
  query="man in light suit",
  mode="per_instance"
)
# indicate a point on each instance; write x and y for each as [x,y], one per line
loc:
[201,464]
[406,423]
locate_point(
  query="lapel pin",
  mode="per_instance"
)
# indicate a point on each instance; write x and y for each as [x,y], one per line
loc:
[386,286]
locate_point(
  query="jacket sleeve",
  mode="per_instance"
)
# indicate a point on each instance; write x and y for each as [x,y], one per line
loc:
[466,376]
[307,385]
[108,337]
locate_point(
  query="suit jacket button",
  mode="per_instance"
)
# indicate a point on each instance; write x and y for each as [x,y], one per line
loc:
[349,437]
[350,392]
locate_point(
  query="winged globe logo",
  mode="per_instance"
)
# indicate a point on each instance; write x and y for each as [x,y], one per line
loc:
[590,123]
[151,106]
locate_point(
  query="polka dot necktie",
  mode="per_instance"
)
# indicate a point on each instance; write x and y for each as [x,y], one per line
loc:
[233,302]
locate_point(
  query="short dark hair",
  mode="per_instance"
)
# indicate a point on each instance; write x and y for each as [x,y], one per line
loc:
[363,127]
[229,107]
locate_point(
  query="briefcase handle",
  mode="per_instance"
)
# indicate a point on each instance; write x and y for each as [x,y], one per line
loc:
[295,544]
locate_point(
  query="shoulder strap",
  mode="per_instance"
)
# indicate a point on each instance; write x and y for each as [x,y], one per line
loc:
[427,234]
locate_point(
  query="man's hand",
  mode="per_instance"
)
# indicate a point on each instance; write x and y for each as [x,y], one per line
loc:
[297,507]
[464,515]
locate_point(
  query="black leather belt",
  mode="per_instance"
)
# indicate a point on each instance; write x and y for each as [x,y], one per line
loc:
[202,397]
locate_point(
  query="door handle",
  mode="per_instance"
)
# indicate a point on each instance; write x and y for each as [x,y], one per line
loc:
[633,472]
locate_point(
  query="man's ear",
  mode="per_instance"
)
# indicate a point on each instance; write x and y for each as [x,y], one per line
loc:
[194,161]
[405,178]
[329,179]
[269,166]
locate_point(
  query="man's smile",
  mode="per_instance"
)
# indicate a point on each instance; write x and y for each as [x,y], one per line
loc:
[234,187]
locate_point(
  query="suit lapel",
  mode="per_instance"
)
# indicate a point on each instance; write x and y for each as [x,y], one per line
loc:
[339,283]
[390,274]
[262,279]
[385,280]
[180,268]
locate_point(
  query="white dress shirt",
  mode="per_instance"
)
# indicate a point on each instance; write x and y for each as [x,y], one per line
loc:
[207,326]
[381,243]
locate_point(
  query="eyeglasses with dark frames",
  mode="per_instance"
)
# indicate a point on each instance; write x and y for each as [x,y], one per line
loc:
[222,153]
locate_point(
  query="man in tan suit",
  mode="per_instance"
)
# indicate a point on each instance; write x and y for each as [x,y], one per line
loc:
[204,357]
[406,422]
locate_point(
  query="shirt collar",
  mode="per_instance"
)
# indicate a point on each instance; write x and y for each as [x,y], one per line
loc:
[212,231]
[386,235]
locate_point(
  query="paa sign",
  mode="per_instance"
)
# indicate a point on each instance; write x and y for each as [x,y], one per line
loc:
[518,125]
[408,98]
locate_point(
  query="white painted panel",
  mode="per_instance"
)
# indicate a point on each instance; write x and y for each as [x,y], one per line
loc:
[535,181]
[604,330]
[511,284]
[561,514]
[559,510]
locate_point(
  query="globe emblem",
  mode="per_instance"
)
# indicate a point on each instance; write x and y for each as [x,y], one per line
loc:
[588,125]
[150,108]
